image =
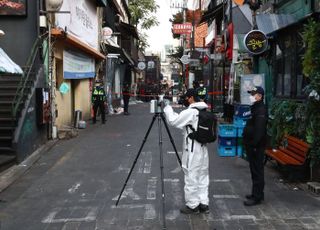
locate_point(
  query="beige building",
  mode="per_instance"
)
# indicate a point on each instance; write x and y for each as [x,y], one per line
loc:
[76,59]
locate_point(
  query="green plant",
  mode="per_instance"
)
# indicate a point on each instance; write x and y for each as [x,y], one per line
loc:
[286,117]
[311,68]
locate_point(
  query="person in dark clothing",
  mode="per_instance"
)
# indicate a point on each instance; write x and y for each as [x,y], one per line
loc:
[254,140]
[98,100]
[126,98]
[202,92]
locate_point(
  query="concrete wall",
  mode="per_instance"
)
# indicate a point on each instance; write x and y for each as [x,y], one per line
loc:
[20,33]
[77,98]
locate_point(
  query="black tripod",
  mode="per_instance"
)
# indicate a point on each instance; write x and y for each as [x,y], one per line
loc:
[160,117]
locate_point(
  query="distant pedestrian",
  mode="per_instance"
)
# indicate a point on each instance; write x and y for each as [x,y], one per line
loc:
[195,160]
[202,92]
[126,90]
[98,100]
[254,140]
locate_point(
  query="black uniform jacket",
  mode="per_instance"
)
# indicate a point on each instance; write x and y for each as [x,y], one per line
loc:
[255,131]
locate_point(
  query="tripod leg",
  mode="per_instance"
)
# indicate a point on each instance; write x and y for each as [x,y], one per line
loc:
[171,139]
[135,160]
[162,175]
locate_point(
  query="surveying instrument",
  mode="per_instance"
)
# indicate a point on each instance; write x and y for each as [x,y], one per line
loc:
[156,108]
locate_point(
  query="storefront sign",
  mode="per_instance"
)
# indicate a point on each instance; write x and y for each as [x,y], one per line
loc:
[106,33]
[77,66]
[185,28]
[82,21]
[256,42]
[141,65]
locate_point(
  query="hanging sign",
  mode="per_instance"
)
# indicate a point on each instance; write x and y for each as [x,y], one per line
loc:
[185,59]
[106,33]
[185,28]
[141,65]
[256,42]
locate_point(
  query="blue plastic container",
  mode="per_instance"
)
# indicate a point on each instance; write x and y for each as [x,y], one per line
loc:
[226,151]
[239,151]
[239,122]
[239,131]
[242,111]
[227,130]
[227,141]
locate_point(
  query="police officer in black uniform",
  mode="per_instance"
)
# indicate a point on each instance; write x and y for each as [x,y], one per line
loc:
[98,100]
[254,140]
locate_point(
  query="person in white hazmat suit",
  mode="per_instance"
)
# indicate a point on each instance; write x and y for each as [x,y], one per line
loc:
[195,164]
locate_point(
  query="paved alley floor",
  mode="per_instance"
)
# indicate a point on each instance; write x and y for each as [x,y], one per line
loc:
[75,184]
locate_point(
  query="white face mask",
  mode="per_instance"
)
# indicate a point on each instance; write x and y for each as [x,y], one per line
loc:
[201,85]
[252,99]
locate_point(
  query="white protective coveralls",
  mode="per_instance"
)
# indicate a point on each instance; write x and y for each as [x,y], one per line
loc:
[195,164]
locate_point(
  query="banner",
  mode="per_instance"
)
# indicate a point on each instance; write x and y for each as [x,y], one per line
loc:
[77,66]
[82,21]
[185,28]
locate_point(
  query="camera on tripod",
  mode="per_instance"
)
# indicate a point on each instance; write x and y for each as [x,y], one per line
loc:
[156,106]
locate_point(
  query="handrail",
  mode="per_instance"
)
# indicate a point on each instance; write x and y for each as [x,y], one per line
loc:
[25,76]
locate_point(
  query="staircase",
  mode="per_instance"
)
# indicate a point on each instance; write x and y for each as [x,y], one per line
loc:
[14,92]
[8,89]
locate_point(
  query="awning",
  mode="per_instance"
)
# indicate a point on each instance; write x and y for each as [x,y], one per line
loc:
[75,42]
[212,13]
[243,16]
[269,23]
[102,3]
[117,50]
[7,65]
[128,29]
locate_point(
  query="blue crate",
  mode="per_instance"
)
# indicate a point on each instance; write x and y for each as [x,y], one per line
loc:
[239,122]
[239,131]
[239,151]
[226,151]
[242,111]
[227,130]
[227,141]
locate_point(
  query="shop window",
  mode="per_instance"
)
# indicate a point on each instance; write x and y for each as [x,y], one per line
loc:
[289,81]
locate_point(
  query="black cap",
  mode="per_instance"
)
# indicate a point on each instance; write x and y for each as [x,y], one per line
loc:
[256,89]
[190,93]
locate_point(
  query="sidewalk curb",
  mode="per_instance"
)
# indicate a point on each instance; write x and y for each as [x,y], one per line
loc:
[10,175]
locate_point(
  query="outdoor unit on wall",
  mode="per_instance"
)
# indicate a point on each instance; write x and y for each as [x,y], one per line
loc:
[53,5]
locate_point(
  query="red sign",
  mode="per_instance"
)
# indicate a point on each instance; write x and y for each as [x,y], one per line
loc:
[185,28]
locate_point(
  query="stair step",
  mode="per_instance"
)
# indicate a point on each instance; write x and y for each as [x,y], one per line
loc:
[7,160]
[6,76]
[5,138]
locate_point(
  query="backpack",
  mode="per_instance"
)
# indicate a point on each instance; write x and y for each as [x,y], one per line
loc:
[206,129]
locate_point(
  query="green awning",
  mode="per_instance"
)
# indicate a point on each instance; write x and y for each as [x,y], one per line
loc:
[102,3]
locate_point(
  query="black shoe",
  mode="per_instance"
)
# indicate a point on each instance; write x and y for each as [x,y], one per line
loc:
[204,208]
[251,202]
[251,197]
[187,210]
